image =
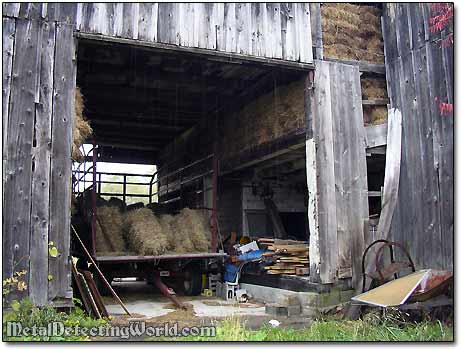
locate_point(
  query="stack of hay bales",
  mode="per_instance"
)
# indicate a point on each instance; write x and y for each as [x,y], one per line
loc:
[109,234]
[81,128]
[144,233]
[352,32]
[140,232]
[268,117]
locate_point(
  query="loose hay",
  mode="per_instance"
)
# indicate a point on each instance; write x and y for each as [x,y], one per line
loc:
[109,234]
[144,233]
[81,128]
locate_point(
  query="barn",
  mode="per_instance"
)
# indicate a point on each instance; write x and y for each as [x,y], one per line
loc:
[274,117]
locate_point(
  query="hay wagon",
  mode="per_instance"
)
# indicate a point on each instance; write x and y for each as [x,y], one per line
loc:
[164,195]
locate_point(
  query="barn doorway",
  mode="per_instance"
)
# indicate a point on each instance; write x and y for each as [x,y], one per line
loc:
[212,133]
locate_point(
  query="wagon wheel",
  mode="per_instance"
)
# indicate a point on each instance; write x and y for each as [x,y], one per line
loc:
[383,273]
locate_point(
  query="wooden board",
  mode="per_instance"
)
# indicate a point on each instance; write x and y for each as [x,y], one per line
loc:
[17,195]
[60,186]
[38,280]
[253,29]
[419,70]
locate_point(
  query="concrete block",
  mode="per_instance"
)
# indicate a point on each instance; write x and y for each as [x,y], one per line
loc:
[276,309]
[294,310]
[310,312]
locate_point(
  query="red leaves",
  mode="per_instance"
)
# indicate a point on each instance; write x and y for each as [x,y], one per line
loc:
[440,21]
[444,108]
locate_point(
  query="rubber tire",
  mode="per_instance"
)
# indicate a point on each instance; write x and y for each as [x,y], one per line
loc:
[192,282]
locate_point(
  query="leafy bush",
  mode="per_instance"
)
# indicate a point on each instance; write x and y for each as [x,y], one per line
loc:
[29,315]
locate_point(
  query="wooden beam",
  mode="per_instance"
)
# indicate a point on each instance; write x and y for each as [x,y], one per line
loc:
[376,101]
[142,124]
[220,56]
[265,152]
[114,144]
[364,67]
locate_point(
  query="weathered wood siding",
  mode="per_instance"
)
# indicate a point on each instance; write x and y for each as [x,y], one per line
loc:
[39,79]
[338,201]
[419,69]
[269,30]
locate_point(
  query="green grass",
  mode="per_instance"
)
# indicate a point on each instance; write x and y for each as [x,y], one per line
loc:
[233,329]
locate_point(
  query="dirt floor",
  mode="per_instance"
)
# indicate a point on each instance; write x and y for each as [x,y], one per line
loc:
[146,304]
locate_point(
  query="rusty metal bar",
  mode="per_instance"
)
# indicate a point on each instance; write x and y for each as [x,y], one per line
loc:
[167,292]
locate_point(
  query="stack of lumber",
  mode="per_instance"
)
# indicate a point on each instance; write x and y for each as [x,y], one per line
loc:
[286,256]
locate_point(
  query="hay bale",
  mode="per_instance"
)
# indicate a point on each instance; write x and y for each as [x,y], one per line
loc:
[373,88]
[109,234]
[167,223]
[81,128]
[144,233]
[192,231]
[352,31]
[374,115]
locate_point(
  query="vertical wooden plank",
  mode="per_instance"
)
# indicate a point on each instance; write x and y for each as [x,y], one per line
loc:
[145,22]
[10,9]
[431,220]
[218,21]
[59,290]
[312,210]
[229,28]
[258,24]
[210,29]
[359,182]
[79,17]
[108,16]
[67,12]
[326,209]
[342,168]
[274,36]
[24,9]
[19,159]
[38,278]
[129,30]
[291,50]
[118,19]
[183,9]
[304,33]
[316,29]
[243,27]
[168,23]
[8,53]
[199,30]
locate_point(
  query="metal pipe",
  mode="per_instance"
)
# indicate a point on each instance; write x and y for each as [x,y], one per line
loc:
[93,204]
